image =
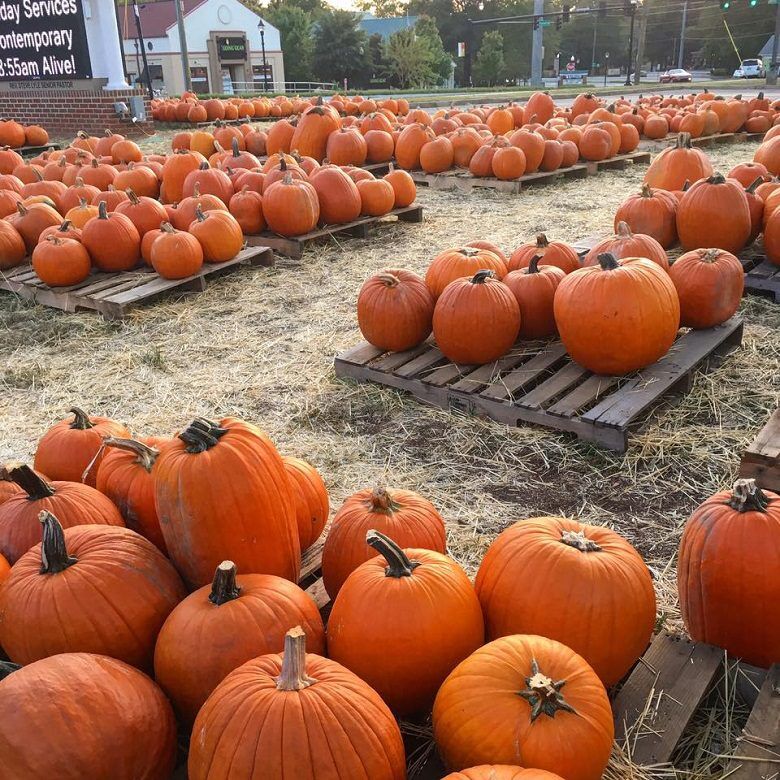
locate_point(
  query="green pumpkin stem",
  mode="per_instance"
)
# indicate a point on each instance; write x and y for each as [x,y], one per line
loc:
[608,261]
[293,675]
[480,277]
[746,496]
[579,541]
[81,421]
[54,553]
[544,695]
[33,484]
[201,435]
[145,455]
[223,586]
[399,565]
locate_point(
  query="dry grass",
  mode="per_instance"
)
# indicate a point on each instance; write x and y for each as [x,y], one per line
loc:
[260,344]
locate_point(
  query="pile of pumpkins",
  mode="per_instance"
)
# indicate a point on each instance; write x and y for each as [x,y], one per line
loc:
[175,558]
[190,108]
[15,135]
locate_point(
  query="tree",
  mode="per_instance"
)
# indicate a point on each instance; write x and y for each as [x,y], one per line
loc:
[294,25]
[440,61]
[489,65]
[384,8]
[408,59]
[312,7]
[378,63]
[340,48]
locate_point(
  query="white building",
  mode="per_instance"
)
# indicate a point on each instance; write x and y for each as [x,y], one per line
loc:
[223,40]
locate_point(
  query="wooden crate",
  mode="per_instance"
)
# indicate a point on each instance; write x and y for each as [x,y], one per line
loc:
[114,294]
[658,700]
[31,151]
[537,382]
[463,181]
[761,460]
[294,247]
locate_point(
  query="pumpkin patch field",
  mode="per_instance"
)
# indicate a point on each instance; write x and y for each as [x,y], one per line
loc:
[489,586]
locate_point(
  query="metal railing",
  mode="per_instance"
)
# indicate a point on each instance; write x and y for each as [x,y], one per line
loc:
[257,88]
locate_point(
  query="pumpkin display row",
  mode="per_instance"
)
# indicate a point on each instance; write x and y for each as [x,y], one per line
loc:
[15,135]
[478,303]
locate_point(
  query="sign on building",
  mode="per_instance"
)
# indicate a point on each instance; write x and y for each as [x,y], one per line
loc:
[231,48]
[43,39]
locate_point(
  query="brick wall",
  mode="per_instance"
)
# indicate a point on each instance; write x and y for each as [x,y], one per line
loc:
[65,111]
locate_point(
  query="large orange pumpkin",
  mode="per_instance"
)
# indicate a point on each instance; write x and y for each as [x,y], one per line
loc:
[291,207]
[223,625]
[454,264]
[617,317]
[409,144]
[310,138]
[675,165]
[709,283]
[525,700]
[627,244]
[530,570]
[375,628]
[60,262]
[112,240]
[501,772]
[651,212]
[275,701]
[726,572]
[403,515]
[91,588]
[175,171]
[534,289]
[219,234]
[12,247]
[547,252]
[476,320]
[70,446]
[395,310]
[253,523]
[338,195]
[112,703]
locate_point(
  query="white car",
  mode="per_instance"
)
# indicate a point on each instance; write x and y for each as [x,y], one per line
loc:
[750,69]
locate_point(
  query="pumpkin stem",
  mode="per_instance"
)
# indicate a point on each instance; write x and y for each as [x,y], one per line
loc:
[388,279]
[543,694]
[293,676]
[717,178]
[94,162]
[623,230]
[399,564]
[480,277]
[683,141]
[381,501]
[102,210]
[748,497]
[686,185]
[81,421]
[533,264]
[710,255]
[751,188]
[542,242]
[166,227]
[21,208]
[133,197]
[38,175]
[145,455]
[201,435]
[6,668]
[224,587]
[236,150]
[33,484]
[647,192]
[199,215]
[54,553]
[579,541]
[204,166]
[79,183]
[608,261]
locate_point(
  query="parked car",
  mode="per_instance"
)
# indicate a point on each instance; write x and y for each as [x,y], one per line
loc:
[750,69]
[675,76]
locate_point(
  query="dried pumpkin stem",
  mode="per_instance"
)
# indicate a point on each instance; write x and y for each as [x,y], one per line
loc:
[81,421]
[381,501]
[388,279]
[533,264]
[145,455]
[399,564]
[201,435]
[33,484]
[293,676]
[579,541]
[54,553]
[647,192]
[608,261]
[480,277]
[746,496]
[223,586]
[6,668]
[542,242]
[543,694]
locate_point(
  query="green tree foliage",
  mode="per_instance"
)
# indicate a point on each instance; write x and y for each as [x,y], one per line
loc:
[312,7]
[383,8]
[340,48]
[377,60]
[408,60]
[295,26]
[489,64]
[440,61]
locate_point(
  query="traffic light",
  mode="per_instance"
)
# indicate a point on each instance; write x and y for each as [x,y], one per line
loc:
[725,4]
[602,10]
[565,16]
[536,22]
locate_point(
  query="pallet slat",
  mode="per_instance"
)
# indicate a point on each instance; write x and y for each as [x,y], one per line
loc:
[661,695]
[761,460]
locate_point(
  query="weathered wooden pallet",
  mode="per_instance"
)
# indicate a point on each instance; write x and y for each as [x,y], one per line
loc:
[702,141]
[114,294]
[464,181]
[658,700]
[761,460]
[761,277]
[31,151]
[295,246]
[202,125]
[619,162]
[538,383]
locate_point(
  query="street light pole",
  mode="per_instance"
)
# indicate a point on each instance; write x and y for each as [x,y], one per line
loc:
[630,46]
[538,46]
[606,67]
[682,35]
[137,15]
[261,27]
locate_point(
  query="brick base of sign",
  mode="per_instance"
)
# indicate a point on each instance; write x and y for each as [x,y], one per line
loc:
[63,112]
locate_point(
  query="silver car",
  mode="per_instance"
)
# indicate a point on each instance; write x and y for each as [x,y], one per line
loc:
[750,69]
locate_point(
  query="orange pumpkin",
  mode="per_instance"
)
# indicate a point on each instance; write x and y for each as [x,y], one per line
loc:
[60,262]
[175,254]
[403,186]
[112,240]
[291,207]
[338,195]
[454,264]
[246,207]
[627,244]
[556,253]
[534,289]
[219,235]
[675,165]
[12,246]
[377,197]
[652,213]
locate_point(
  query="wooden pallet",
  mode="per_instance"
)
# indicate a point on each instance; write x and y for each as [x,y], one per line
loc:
[661,695]
[31,151]
[465,181]
[761,277]
[619,162]
[201,125]
[761,460]
[702,141]
[537,382]
[294,247]
[114,294]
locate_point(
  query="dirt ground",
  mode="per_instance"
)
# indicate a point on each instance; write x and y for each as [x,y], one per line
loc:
[259,344]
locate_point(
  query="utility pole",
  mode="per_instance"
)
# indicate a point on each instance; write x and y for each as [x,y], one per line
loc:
[771,77]
[640,46]
[630,47]
[595,32]
[137,15]
[185,56]
[681,53]
[538,46]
